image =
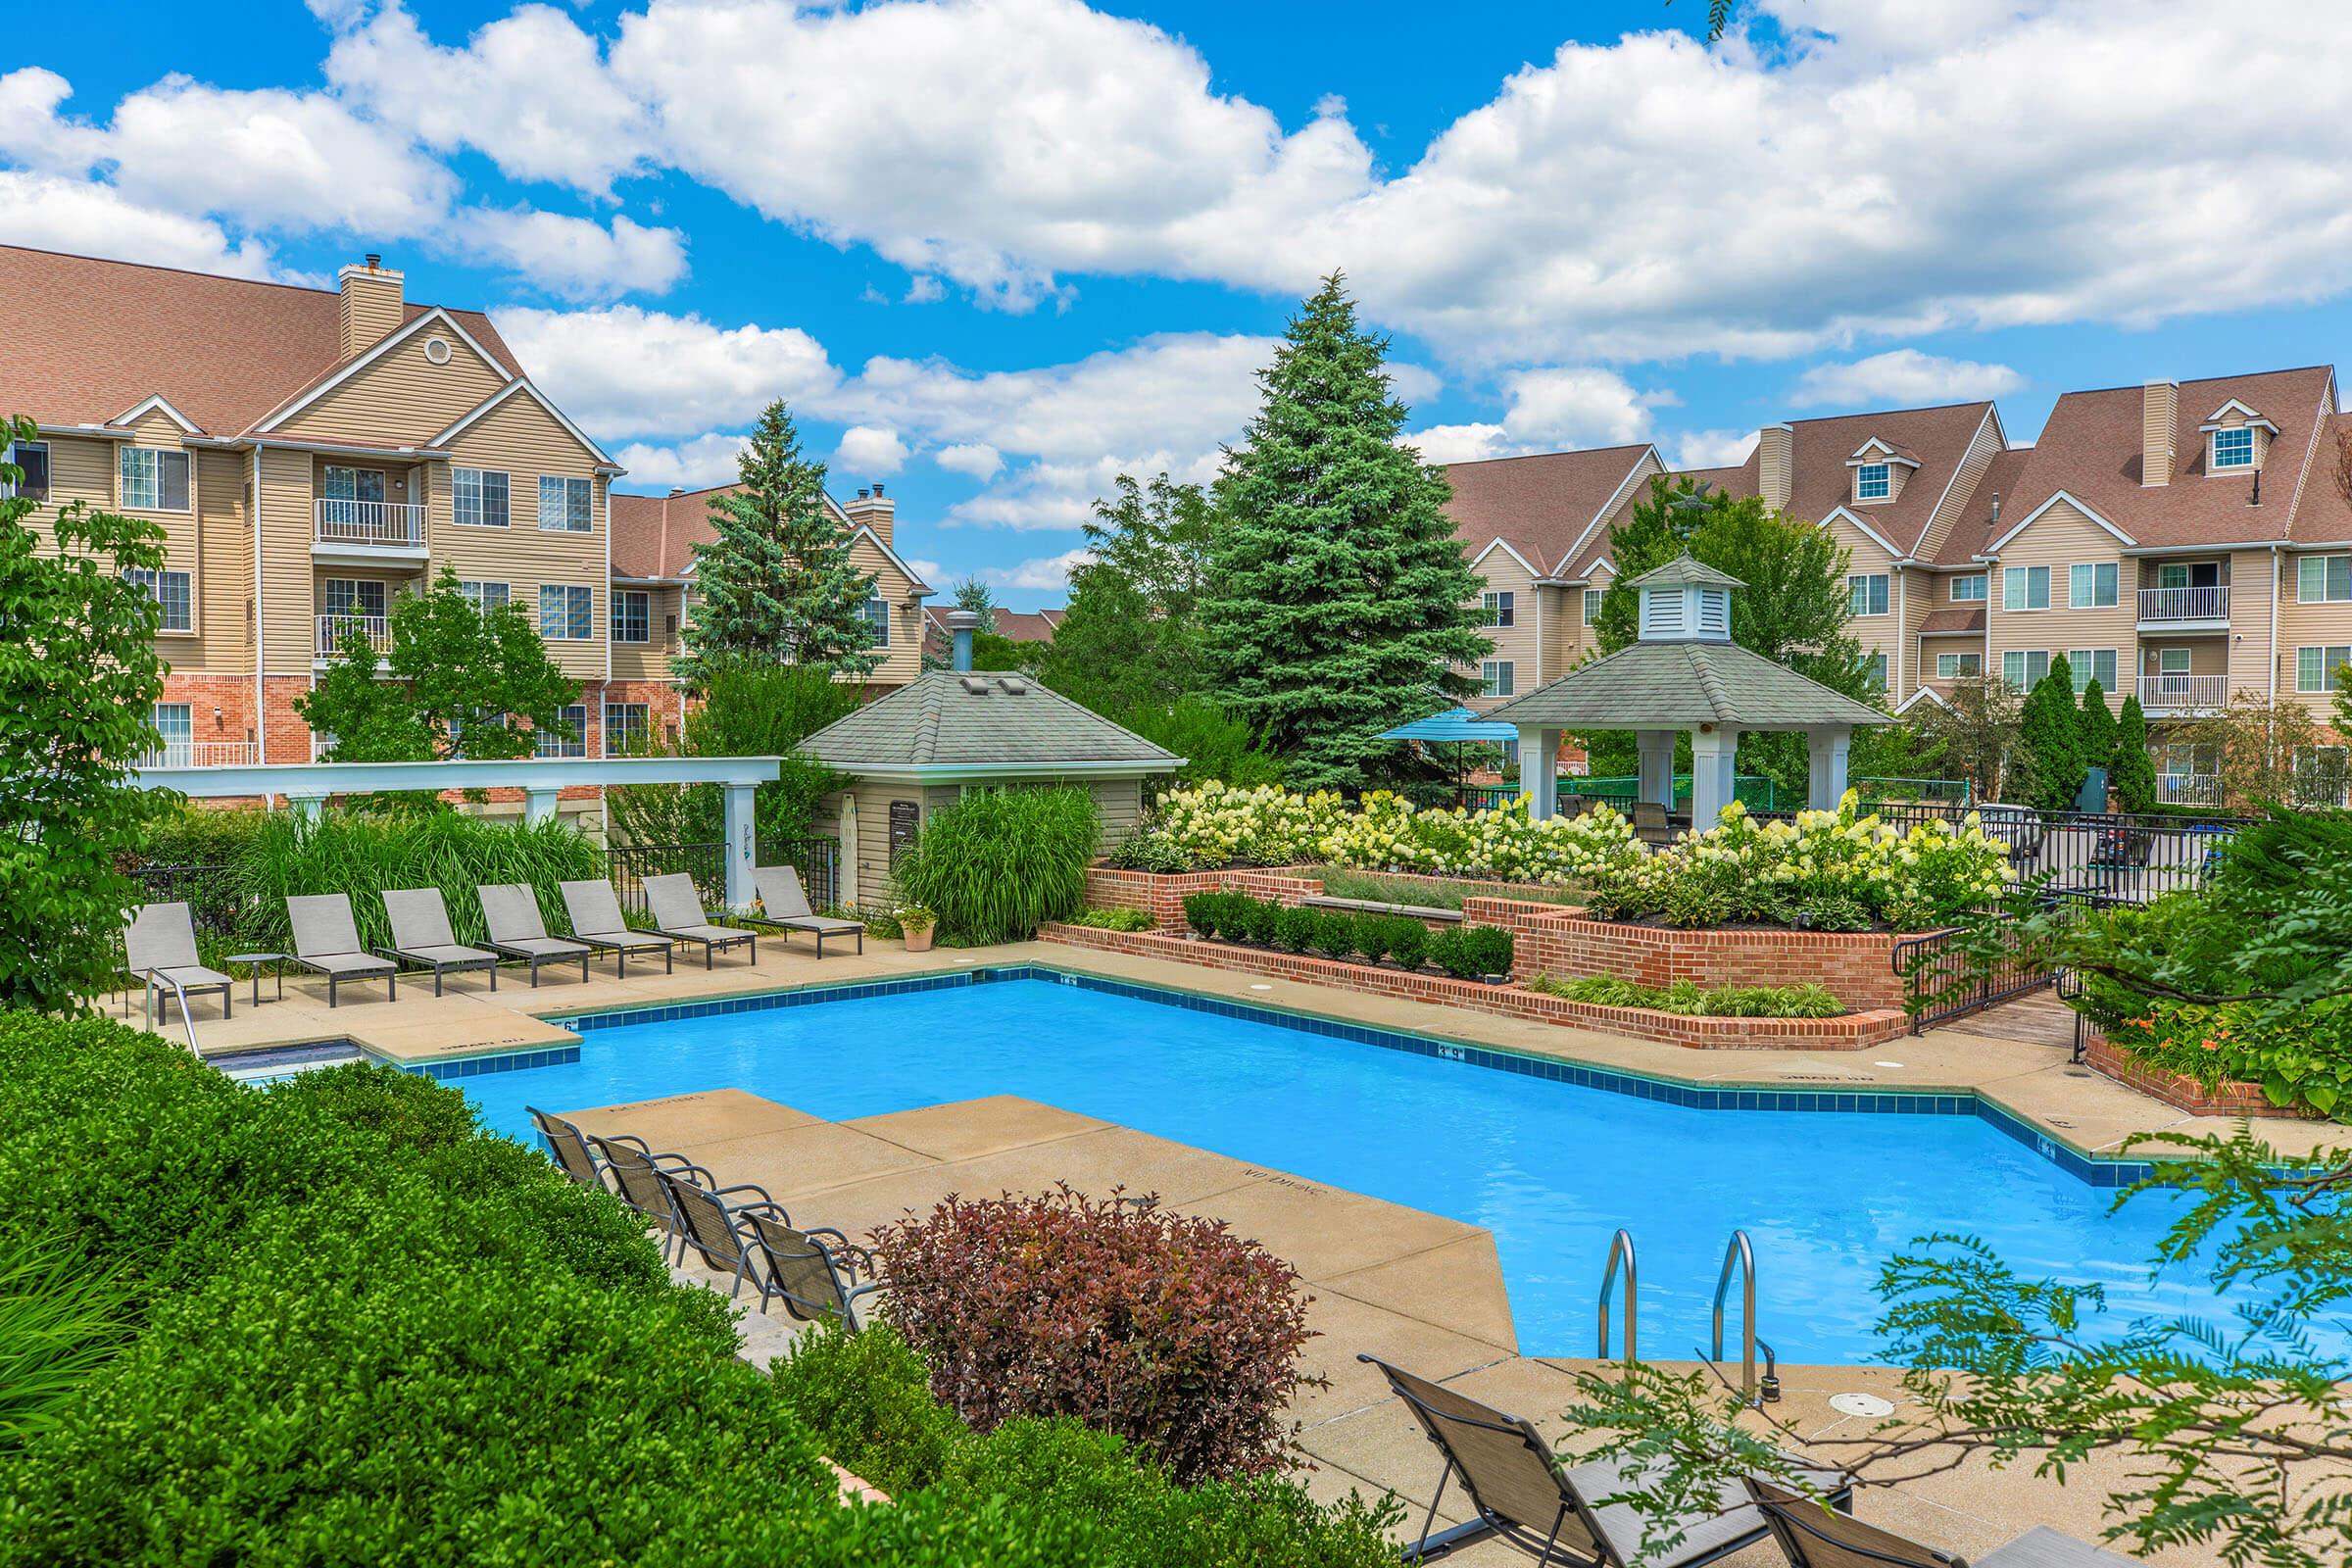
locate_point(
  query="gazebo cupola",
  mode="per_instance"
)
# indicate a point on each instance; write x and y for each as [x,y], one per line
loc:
[1685,601]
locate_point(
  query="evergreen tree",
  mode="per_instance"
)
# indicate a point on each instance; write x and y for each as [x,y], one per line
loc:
[2132,779]
[2095,735]
[972,594]
[1340,599]
[779,586]
[2050,730]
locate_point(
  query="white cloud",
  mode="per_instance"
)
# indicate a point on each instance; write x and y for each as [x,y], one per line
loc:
[707,460]
[1044,573]
[868,451]
[1902,377]
[57,214]
[1551,410]
[576,258]
[928,570]
[1709,449]
[975,460]
[625,371]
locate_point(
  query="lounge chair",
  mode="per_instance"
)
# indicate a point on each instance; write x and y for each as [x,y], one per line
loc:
[1651,824]
[1522,1492]
[570,1146]
[814,1278]
[595,919]
[785,906]
[1813,1537]
[677,911]
[326,942]
[516,929]
[421,935]
[159,947]
[636,1172]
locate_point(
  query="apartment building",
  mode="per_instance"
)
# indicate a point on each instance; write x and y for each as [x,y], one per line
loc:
[2181,541]
[312,453]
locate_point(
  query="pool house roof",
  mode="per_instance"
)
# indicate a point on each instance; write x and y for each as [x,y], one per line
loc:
[952,725]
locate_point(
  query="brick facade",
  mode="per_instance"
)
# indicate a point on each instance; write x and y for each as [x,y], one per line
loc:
[1855,1031]
[2178,1090]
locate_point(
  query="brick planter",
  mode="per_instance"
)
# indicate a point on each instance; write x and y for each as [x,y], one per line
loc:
[2178,1090]
[1855,1031]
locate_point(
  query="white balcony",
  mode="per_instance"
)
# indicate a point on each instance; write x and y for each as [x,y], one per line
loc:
[2176,694]
[2185,610]
[367,532]
[2189,789]
[201,753]
[332,629]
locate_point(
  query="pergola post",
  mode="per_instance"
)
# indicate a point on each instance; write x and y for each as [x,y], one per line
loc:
[1826,748]
[1656,751]
[539,805]
[304,807]
[1539,771]
[739,850]
[1714,750]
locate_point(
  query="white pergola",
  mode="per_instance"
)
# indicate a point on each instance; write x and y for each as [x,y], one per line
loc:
[306,787]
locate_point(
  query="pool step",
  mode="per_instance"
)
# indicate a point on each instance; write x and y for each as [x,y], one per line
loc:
[273,1063]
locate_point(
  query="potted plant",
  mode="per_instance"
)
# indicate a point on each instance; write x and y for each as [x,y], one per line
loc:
[915,924]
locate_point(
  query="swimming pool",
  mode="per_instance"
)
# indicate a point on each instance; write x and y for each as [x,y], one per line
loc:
[1553,1168]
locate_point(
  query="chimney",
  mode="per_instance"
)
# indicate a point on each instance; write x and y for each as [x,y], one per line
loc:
[2159,417]
[1776,464]
[1997,506]
[873,509]
[961,623]
[370,308]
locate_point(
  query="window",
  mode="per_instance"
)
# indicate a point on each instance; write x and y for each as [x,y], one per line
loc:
[170,590]
[1873,672]
[566,614]
[628,732]
[480,495]
[571,738]
[154,479]
[2323,580]
[632,618]
[1873,481]
[175,723]
[2022,667]
[2233,449]
[2090,665]
[32,456]
[1500,608]
[2025,587]
[2172,661]
[1869,594]
[2090,585]
[562,503]
[2317,669]
[877,616]
[2182,760]
[1496,677]
[486,596]
[354,484]
[1969,589]
[1592,596]
[1959,666]
[348,596]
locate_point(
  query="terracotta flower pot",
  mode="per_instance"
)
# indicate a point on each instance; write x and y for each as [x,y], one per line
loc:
[917,938]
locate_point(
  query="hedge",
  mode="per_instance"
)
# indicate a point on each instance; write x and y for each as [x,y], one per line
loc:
[1466,952]
[366,1330]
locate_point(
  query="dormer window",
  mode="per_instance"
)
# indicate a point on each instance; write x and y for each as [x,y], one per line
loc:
[2234,448]
[1874,481]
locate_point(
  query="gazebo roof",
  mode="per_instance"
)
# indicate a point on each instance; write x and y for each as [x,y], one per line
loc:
[1677,685]
[971,724]
[1684,571]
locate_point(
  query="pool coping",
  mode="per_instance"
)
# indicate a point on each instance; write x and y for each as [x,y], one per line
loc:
[2091,1169]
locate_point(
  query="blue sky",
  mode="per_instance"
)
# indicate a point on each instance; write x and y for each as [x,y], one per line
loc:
[994,252]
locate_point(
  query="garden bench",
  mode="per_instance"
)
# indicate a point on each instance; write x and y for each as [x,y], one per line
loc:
[1417,911]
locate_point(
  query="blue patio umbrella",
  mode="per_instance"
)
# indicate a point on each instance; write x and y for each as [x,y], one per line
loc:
[1457,727]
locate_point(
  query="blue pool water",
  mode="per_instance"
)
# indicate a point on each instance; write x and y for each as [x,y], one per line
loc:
[1553,1169]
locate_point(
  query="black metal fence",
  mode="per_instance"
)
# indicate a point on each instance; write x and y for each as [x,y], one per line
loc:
[209,890]
[2097,857]
[818,861]
[1945,976]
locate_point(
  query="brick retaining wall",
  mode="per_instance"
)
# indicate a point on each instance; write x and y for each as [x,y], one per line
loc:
[2178,1090]
[1856,1031]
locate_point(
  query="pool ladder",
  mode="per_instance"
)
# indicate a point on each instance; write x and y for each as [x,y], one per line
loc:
[1738,1256]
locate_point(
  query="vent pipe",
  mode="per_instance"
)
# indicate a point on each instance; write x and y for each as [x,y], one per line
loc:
[961,623]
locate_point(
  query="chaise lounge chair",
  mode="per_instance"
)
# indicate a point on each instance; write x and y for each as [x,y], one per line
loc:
[636,1172]
[516,929]
[570,1146]
[421,935]
[159,947]
[786,907]
[677,911]
[326,942]
[1524,1493]
[595,919]
[1813,1537]
[754,1240]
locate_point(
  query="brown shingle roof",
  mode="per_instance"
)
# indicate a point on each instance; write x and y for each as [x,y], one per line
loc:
[1951,620]
[1539,505]
[88,339]
[1976,527]
[1937,439]
[2090,449]
[654,536]
[2324,513]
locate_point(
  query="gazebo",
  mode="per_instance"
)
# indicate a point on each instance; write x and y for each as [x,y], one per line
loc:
[1686,673]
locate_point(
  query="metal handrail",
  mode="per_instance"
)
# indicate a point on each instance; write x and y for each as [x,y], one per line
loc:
[1621,1248]
[1743,1256]
[185,1022]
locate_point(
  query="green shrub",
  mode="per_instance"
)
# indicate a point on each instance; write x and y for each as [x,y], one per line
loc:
[1115,919]
[201,835]
[999,863]
[1334,933]
[1294,930]
[1370,937]
[1210,913]
[1470,952]
[1690,999]
[1260,921]
[1408,941]
[1149,850]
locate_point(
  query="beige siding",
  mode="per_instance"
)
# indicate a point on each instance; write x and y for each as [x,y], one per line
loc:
[864,826]
[2301,625]
[224,597]
[288,608]
[1914,594]
[402,399]
[651,659]
[2058,539]
[1957,496]
[1519,643]
[903,660]
[2248,573]
[525,442]
[1866,557]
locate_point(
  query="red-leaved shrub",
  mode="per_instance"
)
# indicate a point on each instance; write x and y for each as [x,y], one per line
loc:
[1166,1328]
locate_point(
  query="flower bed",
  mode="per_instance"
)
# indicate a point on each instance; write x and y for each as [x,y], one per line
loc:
[2220,1097]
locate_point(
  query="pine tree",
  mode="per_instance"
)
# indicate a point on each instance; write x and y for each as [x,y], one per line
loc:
[1340,601]
[779,586]
[2051,733]
[2134,780]
[2095,734]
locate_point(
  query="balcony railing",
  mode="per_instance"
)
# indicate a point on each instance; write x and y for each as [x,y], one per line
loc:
[201,753]
[2179,693]
[371,523]
[333,628]
[2189,789]
[2185,604]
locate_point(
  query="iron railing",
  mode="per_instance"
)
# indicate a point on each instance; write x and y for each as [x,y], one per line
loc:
[1945,977]
[209,890]
[818,861]
[2101,858]
[1751,790]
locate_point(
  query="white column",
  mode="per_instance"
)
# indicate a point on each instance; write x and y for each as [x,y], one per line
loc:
[1539,770]
[306,807]
[739,850]
[1712,777]
[1825,749]
[538,805]
[1656,748]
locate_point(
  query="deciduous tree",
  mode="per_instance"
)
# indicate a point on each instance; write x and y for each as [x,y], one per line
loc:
[1132,636]
[1974,731]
